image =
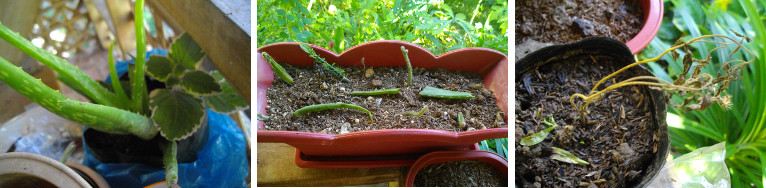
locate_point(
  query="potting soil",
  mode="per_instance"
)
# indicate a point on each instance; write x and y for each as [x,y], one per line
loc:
[617,138]
[460,174]
[314,86]
[564,21]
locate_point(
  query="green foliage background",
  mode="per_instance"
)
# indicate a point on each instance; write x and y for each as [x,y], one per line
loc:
[742,127]
[437,25]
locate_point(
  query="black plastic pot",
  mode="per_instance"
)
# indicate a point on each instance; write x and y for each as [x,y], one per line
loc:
[601,46]
[112,148]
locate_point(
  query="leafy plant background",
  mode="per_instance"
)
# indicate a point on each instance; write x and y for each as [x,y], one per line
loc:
[742,127]
[437,25]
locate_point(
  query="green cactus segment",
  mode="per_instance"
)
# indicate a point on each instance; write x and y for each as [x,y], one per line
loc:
[67,71]
[393,91]
[278,69]
[170,150]
[100,117]
[417,114]
[323,107]
[186,52]
[228,100]
[460,119]
[138,86]
[327,66]
[200,83]
[178,114]
[116,85]
[159,67]
[409,66]
[444,94]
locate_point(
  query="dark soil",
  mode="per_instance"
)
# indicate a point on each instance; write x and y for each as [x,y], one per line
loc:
[564,21]
[618,139]
[460,174]
[313,86]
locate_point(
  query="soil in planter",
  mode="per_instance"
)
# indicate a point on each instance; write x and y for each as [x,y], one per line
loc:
[618,139]
[564,21]
[460,174]
[313,86]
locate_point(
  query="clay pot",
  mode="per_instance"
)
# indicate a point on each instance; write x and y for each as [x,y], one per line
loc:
[490,64]
[32,170]
[500,163]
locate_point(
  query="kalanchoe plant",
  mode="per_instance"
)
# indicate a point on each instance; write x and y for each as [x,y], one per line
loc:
[698,90]
[176,111]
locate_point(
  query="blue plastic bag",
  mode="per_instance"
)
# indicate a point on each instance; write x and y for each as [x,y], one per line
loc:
[221,163]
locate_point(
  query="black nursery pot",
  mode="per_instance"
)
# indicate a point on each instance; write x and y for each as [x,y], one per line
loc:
[622,56]
[112,148]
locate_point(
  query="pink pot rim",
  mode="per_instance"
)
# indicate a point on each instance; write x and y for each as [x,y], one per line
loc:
[653,10]
[500,163]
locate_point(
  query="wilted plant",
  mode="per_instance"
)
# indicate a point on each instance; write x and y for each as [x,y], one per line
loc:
[698,90]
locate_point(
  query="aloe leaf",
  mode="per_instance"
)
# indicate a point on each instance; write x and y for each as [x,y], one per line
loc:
[567,157]
[159,67]
[116,85]
[200,83]
[177,113]
[138,84]
[67,72]
[103,118]
[186,52]
[540,136]
[228,100]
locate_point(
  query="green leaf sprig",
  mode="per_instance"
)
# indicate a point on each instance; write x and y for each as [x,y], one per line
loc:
[540,136]
[327,66]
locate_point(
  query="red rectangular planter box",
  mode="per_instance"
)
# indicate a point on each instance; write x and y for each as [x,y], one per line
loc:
[490,64]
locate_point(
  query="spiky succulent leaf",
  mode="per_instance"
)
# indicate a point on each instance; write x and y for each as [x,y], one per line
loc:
[200,83]
[177,113]
[228,100]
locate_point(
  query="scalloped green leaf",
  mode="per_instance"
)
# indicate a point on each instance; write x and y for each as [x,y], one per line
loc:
[177,113]
[186,52]
[200,83]
[228,100]
[159,67]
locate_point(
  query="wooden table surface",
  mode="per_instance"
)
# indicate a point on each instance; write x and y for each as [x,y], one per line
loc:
[276,167]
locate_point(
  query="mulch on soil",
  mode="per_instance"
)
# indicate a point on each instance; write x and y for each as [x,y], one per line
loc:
[564,21]
[618,139]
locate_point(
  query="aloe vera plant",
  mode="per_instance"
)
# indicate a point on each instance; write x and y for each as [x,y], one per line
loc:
[175,112]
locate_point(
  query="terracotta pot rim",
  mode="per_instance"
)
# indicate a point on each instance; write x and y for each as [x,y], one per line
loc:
[653,10]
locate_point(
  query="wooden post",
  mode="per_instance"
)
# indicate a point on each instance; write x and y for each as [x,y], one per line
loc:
[222,29]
